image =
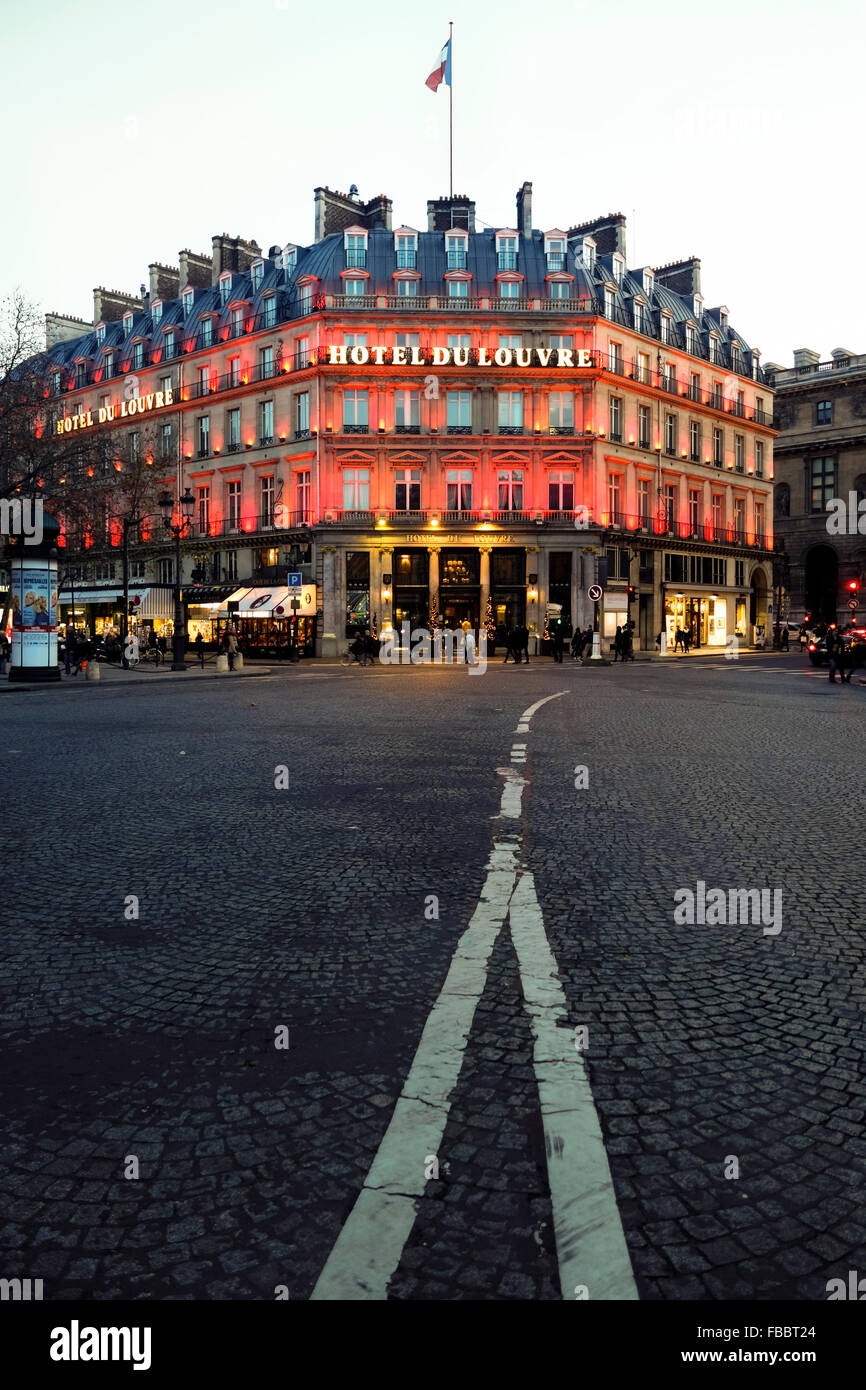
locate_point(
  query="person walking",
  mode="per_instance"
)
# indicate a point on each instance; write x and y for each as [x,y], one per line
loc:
[199,649]
[230,642]
[833,644]
[785,637]
[523,643]
[617,645]
[577,644]
[687,640]
[628,642]
[558,642]
[5,649]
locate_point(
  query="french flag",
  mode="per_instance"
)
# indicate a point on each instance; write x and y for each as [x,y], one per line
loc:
[442,70]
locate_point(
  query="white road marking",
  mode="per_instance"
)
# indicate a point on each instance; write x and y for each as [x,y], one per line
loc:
[368,1249]
[590,1243]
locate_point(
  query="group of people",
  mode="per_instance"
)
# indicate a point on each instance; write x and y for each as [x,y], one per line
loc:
[682,640]
[623,642]
[581,643]
[517,645]
[365,647]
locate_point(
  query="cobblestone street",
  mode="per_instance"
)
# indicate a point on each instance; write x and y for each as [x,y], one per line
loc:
[169,909]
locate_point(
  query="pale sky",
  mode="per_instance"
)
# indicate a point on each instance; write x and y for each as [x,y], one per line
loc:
[727,131]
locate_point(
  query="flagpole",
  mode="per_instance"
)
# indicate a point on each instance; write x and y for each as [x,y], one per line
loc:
[451,110]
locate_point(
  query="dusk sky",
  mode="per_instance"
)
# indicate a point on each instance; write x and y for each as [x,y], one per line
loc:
[727,132]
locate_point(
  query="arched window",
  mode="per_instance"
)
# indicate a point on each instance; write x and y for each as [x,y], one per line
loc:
[782,499]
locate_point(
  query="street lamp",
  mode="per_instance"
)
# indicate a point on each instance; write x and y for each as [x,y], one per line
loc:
[186,503]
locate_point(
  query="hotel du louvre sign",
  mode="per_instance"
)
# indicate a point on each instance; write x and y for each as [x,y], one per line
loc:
[341,356]
[123,410]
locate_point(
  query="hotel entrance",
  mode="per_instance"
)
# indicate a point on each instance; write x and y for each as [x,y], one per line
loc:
[411,588]
[460,588]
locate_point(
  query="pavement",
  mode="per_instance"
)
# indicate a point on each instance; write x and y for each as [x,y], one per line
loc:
[368,984]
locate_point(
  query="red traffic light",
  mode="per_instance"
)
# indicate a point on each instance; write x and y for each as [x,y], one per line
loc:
[853,586]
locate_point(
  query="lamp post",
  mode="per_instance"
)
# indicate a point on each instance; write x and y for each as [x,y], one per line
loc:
[186,503]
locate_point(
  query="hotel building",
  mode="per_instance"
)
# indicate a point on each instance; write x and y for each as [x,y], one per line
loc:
[433,424]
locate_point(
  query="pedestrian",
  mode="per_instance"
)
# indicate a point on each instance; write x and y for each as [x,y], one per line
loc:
[82,655]
[4,653]
[687,640]
[230,647]
[617,644]
[523,643]
[833,654]
[785,637]
[558,642]
[628,643]
[199,649]
[588,641]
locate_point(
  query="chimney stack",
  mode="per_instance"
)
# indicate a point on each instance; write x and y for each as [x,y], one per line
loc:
[443,213]
[336,211]
[61,328]
[111,305]
[195,270]
[683,277]
[806,357]
[524,210]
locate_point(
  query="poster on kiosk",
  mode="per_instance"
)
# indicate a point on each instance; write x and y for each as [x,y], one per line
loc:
[34,613]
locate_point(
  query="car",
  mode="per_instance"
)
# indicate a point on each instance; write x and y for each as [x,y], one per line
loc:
[854,639]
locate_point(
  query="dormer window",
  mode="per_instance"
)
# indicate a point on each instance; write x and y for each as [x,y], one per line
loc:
[156,311]
[127,323]
[618,269]
[100,333]
[170,344]
[587,252]
[691,339]
[225,289]
[555,249]
[269,311]
[355,244]
[723,319]
[665,328]
[640,316]
[456,243]
[137,356]
[257,272]
[56,383]
[406,248]
[206,332]
[649,282]
[289,259]
[698,306]
[188,297]
[506,250]
[715,354]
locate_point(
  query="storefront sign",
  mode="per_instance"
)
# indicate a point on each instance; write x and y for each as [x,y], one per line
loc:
[341,356]
[428,537]
[138,405]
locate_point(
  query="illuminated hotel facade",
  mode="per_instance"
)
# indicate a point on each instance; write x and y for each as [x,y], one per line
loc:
[445,424]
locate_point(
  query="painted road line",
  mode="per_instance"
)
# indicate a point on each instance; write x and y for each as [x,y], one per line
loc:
[368,1249]
[590,1244]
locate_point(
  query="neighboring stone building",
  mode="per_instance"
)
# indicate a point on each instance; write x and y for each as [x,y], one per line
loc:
[452,424]
[820,457]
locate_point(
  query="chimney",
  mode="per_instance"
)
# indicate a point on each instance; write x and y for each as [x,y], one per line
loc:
[840,354]
[164,281]
[232,253]
[62,328]
[443,213]
[806,357]
[683,277]
[524,210]
[336,211]
[195,270]
[607,232]
[111,305]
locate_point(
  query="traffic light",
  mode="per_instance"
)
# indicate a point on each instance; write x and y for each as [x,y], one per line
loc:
[631,593]
[853,586]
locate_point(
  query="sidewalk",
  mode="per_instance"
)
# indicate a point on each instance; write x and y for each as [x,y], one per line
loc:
[114,676]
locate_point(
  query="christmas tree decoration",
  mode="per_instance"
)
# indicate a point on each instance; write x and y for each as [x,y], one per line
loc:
[434,612]
[489,620]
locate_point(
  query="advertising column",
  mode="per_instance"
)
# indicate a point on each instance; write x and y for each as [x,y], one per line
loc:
[33,585]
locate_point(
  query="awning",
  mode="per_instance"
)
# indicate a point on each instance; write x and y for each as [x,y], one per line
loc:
[210,594]
[153,602]
[262,602]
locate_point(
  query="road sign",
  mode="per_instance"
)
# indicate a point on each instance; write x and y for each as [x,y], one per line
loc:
[294,579]
[296,603]
[594,592]
[852,604]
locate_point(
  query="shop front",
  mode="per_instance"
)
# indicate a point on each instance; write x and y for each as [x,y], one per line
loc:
[507,590]
[99,612]
[268,624]
[411,586]
[703,616]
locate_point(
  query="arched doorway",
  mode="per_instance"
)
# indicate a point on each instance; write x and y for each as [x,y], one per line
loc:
[758,600]
[822,583]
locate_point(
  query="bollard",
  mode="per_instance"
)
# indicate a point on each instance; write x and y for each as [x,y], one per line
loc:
[239,662]
[222,663]
[93,672]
